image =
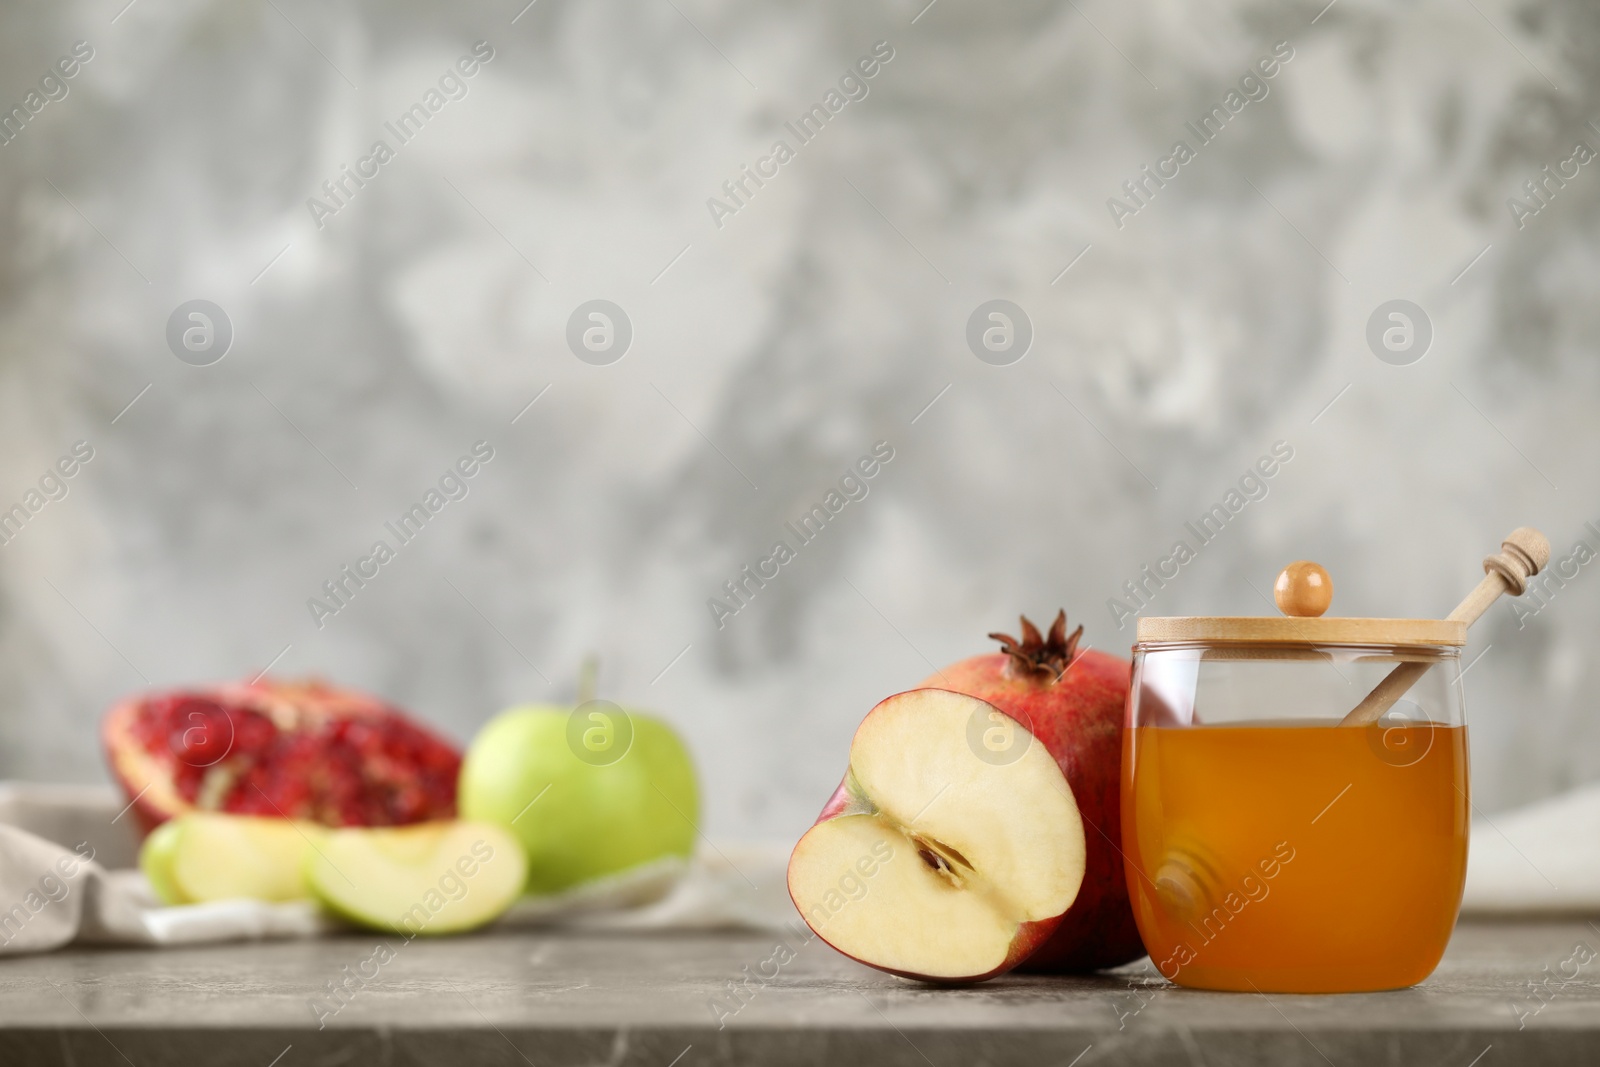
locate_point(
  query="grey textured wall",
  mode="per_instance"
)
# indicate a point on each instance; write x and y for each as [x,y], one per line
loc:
[774,341]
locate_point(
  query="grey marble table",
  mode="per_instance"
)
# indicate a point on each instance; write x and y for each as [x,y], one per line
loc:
[657,1000]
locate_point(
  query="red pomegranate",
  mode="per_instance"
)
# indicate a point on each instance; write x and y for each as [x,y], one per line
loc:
[298,750]
[1073,702]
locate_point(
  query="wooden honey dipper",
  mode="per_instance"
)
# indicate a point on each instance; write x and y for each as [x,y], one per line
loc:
[1522,555]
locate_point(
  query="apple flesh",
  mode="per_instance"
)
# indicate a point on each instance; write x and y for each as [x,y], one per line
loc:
[934,860]
[206,856]
[1073,700]
[582,813]
[432,878]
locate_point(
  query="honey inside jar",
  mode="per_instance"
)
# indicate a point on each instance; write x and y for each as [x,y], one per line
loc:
[1295,856]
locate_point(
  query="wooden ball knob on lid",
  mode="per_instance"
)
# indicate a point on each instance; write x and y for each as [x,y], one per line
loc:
[1303,589]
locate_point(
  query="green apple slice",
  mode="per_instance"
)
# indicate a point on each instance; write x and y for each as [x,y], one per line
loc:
[155,859]
[432,878]
[228,857]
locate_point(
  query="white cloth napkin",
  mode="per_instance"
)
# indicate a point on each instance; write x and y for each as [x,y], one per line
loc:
[67,875]
[1543,859]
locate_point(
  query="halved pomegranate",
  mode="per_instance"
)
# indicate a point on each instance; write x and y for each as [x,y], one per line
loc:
[297,750]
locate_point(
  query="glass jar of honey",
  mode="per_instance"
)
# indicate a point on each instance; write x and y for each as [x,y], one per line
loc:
[1295,799]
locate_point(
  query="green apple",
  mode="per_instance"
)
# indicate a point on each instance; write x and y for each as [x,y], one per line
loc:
[212,856]
[155,859]
[589,791]
[431,878]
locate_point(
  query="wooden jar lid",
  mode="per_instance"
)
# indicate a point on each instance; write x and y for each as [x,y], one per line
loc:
[1264,630]
[1303,592]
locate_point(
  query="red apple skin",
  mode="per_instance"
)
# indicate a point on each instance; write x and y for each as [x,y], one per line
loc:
[841,803]
[1079,719]
[1030,935]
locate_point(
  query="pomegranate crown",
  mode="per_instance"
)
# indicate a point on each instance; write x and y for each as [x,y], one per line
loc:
[1034,655]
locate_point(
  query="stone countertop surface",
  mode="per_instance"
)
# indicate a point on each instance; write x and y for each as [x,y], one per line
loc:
[655,1000]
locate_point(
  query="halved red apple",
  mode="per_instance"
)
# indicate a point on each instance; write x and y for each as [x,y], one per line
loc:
[944,855]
